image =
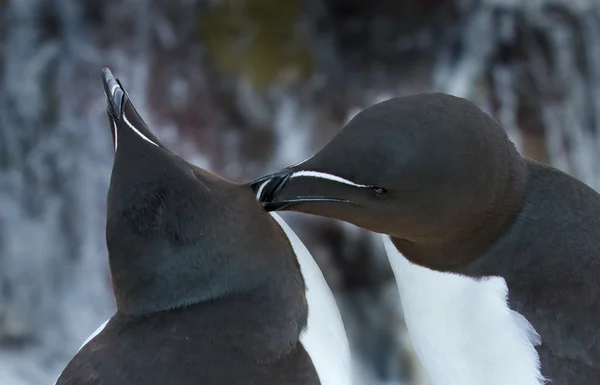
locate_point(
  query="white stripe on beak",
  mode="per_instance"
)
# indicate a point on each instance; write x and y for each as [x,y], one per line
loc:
[260,189]
[322,175]
[112,90]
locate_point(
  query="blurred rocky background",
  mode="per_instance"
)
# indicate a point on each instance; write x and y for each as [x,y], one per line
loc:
[244,87]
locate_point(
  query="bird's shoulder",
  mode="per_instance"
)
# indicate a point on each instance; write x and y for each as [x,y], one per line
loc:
[162,348]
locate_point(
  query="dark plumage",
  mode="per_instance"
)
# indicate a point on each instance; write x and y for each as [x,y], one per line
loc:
[550,259]
[207,285]
[443,180]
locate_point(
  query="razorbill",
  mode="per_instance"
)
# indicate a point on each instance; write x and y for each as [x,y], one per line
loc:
[209,287]
[502,253]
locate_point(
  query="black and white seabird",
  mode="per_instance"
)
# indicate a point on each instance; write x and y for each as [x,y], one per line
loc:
[210,288]
[468,225]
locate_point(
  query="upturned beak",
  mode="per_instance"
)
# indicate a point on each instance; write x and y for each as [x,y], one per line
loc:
[284,190]
[126,124]
[116,96]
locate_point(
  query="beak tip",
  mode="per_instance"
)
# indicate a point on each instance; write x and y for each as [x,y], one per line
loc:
[115,95]
[267,187]
[106,73]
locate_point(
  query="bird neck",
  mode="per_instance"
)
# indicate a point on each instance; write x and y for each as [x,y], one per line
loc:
[145,292]
[167,281]
[263,323]
[466,243]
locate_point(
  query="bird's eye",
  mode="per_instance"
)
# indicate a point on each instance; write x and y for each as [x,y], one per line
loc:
[378,190]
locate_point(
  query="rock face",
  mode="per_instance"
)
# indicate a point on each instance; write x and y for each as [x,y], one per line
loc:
[244,87]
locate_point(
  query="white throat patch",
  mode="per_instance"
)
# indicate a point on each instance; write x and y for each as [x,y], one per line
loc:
[462,330]
[324,337]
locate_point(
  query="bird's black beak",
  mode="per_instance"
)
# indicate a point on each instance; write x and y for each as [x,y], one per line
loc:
[116,96]
[283,191]
[267,187]
[126,124]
